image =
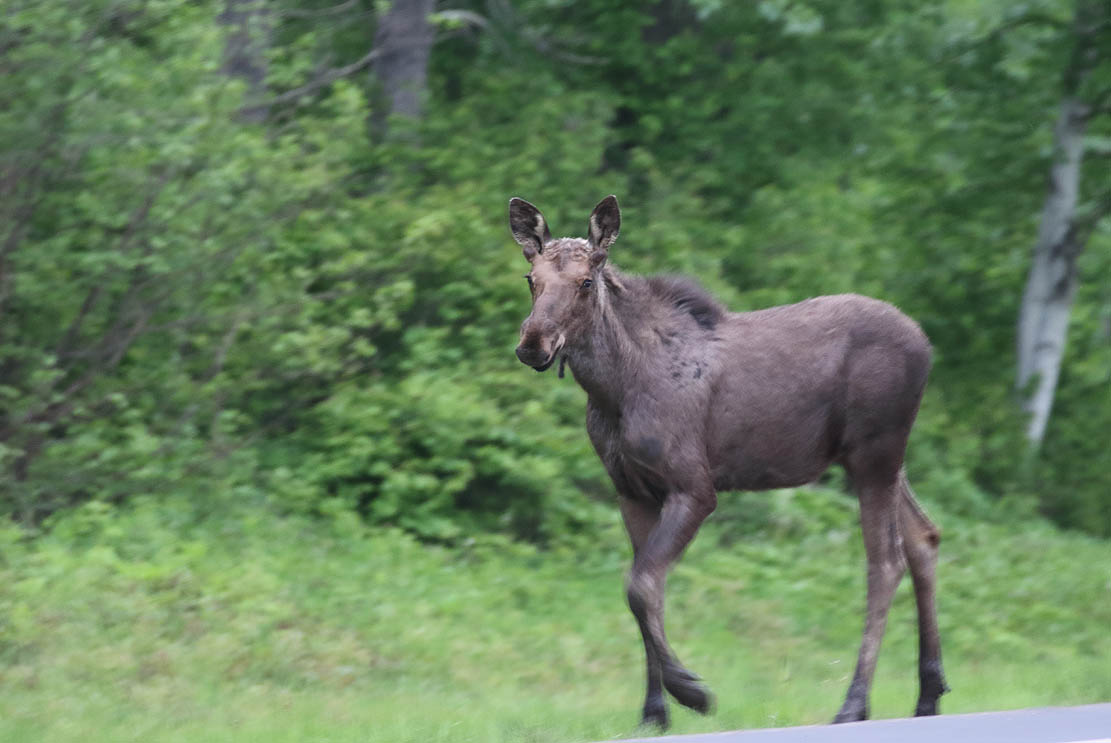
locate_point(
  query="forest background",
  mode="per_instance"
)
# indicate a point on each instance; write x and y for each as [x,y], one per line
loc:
[264,441]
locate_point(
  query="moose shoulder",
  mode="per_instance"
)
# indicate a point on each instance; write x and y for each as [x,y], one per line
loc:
[686,398]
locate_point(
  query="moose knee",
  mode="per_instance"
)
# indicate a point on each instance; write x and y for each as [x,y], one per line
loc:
[642,591]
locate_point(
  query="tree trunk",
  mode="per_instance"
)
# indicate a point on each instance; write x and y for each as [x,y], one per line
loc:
[404,41]
[249,27]
[1051,285]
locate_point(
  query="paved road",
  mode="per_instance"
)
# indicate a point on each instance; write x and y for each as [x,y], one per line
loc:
[1090,724]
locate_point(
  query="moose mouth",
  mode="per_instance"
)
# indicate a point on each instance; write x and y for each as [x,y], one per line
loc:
[552,359]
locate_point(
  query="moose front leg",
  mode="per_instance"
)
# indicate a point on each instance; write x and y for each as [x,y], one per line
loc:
[641,519]
[659,537]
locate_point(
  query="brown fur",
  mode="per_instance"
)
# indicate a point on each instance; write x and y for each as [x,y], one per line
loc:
[686,399]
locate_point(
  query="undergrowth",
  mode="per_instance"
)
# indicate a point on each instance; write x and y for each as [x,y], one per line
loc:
[171,622]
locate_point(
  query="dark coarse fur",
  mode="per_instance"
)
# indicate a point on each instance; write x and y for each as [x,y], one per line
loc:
[685,399]
[688,296]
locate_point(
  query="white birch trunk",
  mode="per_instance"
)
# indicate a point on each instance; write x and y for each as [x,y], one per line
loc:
[1051,285]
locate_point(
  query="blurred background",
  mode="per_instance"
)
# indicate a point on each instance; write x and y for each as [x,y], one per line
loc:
[270,469]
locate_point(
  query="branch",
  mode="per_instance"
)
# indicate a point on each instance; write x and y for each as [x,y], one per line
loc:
[461,16]
[66,344]
[33,177]
[545,47]
[1101,103]
[508,17]
[326,79]
[321,13]
[226,342]
[1032,18]
[1084,226]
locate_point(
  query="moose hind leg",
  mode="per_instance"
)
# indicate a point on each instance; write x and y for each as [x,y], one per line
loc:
[879,523]
[920,544]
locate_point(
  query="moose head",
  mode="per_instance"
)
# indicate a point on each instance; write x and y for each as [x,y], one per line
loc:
[565,278]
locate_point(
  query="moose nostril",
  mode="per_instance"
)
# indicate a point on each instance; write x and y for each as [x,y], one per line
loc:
[530,355]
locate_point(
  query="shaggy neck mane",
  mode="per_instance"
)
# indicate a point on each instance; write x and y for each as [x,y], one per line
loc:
[635,320]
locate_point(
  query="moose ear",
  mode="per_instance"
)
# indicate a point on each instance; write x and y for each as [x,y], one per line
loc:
[528,227]
[605,222]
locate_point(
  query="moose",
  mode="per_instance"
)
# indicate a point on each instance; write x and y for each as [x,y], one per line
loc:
[685,398]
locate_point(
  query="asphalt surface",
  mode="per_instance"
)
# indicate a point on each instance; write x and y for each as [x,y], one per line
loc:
[1089,724]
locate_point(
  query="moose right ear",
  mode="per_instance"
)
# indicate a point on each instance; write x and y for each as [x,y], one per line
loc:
[528,227]
[605,223]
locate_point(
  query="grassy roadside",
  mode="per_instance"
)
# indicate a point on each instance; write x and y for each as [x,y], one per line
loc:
[157,624]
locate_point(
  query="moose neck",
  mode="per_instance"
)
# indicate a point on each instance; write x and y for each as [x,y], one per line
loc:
[614,344]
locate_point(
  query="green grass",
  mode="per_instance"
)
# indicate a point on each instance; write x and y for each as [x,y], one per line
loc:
[157,624]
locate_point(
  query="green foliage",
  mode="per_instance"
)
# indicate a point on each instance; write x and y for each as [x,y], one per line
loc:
[192,300]
[141,212]
[433,456]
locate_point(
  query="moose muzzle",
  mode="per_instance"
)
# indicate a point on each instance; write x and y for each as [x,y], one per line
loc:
[539,352]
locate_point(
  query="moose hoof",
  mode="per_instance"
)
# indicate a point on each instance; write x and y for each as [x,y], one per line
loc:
[688,690]
[655,714]
[931,686]
[926,708]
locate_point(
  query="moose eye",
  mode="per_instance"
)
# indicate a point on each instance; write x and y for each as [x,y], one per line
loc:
[587,283]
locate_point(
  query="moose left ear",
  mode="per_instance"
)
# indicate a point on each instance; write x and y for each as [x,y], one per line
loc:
[605,222]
